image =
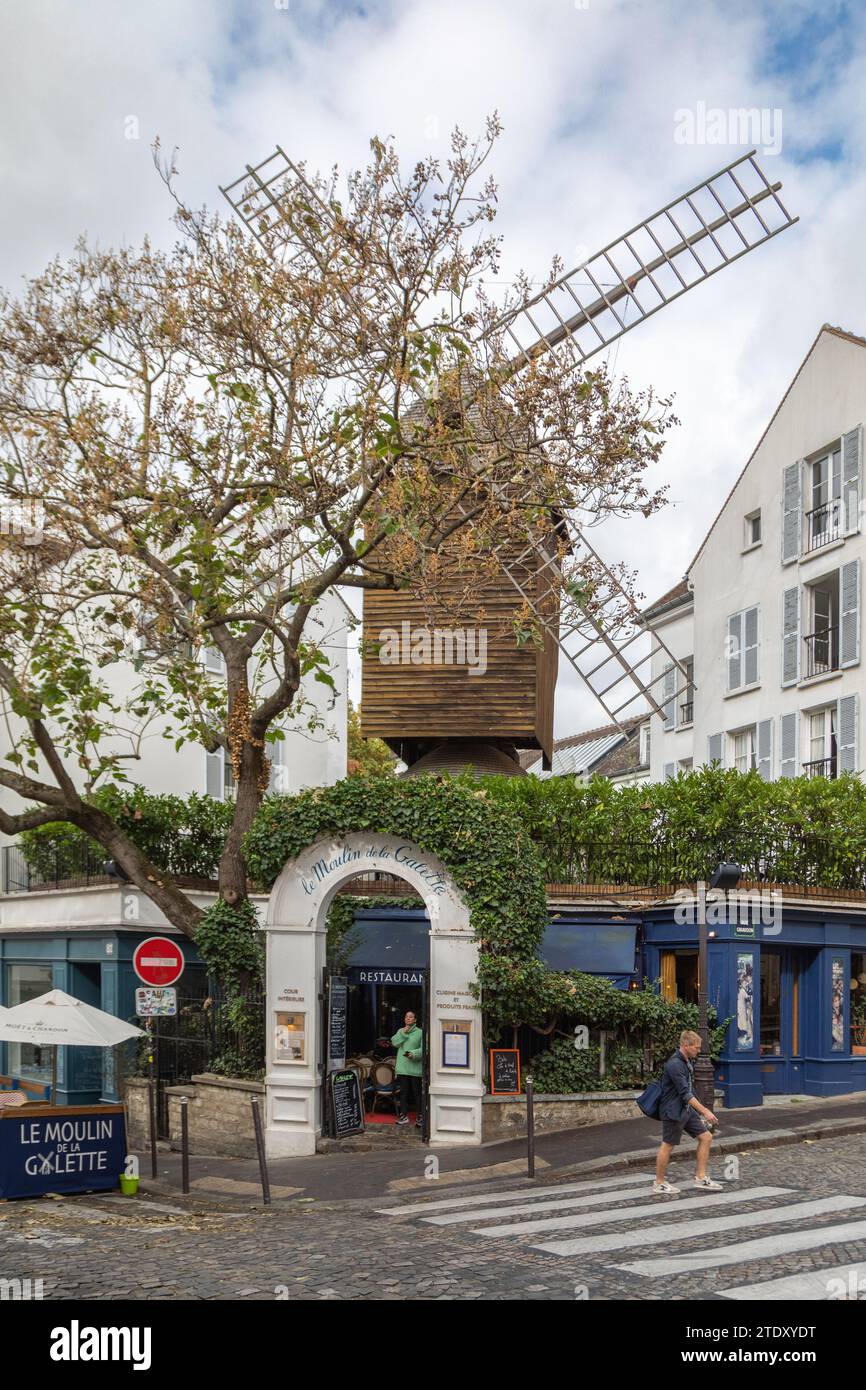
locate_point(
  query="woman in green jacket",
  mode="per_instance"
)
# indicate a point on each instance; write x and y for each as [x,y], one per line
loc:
[408,1041]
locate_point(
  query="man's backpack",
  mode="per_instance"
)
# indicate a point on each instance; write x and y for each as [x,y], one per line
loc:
[650,1100]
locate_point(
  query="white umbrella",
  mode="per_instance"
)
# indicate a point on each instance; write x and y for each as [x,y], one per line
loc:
[57,1020]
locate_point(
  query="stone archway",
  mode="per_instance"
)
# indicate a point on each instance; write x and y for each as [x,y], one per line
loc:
[296,926]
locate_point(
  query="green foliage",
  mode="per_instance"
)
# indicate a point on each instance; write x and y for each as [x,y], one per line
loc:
[183,835]
[229,942]
[368,754]
[793,830]
[486,850]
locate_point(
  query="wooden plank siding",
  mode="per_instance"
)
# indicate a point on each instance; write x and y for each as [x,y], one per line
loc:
[512,700]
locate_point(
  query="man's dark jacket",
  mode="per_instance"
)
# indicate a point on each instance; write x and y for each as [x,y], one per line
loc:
[677,1088]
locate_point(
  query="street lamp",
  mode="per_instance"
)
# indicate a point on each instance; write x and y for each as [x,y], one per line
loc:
[726,876]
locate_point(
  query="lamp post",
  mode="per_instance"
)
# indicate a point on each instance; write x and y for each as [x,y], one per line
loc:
[726,876]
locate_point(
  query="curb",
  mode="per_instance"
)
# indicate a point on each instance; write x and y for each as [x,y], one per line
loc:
[743,1143]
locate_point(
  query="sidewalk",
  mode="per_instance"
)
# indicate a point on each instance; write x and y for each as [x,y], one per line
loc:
[625,1143]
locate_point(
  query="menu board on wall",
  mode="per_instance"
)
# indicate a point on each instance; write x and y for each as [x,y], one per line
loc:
[504,1071]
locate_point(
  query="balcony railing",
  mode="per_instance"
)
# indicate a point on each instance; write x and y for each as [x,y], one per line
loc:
[823,524]
[821,767]
[822,652]
[687,712]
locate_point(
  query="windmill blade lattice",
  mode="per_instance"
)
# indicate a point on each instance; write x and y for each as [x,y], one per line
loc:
[655,262]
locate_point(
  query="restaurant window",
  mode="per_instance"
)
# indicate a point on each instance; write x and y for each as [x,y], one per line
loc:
[771,1003]
[27,1060]
[679,976]
[858,1002]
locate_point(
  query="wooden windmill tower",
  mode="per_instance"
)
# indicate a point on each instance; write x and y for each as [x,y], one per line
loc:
[436,714]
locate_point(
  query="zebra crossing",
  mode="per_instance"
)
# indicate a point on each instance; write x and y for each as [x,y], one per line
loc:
[616,1218]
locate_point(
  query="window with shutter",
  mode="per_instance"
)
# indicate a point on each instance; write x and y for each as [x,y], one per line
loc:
[214,774]
[847,721]
[849,636]
[791,523]
[670,771]
[791,636]
[715,748]
[743,649]
[277,753]
[788,734]
[213,660]
[852,452]
[765,749]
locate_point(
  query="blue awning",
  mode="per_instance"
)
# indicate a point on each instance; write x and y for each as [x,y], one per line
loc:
[594,948]
[387,941]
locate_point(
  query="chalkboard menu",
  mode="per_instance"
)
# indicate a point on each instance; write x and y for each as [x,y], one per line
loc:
[504,1071]
[338,999]
[347,1111]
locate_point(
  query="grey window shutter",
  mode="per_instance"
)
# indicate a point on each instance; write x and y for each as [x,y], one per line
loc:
[788,745]
[215,774]
[765,749]
[669,693]
[276,753]
[735,651]
[750,644]
[791,636]
[670,770]
[791,524]
[849,627]
[715,748]
[852,452]
[213,660]
[847,735]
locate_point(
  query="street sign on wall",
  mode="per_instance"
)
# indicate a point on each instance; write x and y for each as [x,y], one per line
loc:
[158,961]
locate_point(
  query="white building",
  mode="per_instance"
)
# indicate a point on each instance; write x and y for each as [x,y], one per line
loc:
[768,616]
[307,757]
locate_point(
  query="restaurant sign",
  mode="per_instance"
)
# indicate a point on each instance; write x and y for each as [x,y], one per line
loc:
[386,976]
[63,1149]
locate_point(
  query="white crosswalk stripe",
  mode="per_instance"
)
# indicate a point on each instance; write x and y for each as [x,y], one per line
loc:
[700,1202]
[626,1221]
[711,1225]
[840,1282]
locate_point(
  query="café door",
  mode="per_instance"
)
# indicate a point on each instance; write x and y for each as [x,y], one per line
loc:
[782,1020]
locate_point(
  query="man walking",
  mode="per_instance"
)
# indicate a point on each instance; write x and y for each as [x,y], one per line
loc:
[680,1109]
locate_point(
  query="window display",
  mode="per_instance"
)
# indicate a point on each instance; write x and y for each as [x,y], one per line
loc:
[290,1037]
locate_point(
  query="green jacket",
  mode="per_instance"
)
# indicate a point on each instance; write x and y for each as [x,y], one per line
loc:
[409,1066]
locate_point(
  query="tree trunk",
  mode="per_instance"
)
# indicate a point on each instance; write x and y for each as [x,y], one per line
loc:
[156,883]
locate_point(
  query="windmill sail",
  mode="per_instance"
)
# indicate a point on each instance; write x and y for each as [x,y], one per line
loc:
[679,246]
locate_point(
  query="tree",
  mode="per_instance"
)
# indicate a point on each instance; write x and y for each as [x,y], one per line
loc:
[221,434]
[367,754]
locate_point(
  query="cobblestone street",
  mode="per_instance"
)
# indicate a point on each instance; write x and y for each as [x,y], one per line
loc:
[174,1248]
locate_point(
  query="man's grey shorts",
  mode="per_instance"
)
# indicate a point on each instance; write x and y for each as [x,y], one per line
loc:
[672,1130]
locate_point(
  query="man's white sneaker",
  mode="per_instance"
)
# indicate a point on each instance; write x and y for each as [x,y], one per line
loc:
[707,1185]
[665,1187]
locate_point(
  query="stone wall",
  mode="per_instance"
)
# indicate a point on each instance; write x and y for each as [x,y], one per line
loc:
[219,1113]
[504,1117]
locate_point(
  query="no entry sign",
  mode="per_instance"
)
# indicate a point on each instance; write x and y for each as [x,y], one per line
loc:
[158,961]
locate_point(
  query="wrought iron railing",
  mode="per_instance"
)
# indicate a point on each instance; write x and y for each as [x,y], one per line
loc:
[820,767]
[52,865]
[799,861]
[687,712]
[823,524]
[822,651]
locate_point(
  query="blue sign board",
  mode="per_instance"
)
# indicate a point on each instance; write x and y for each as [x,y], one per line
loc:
[62,1149]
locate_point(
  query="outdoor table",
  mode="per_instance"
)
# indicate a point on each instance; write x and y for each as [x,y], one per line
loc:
[61,1148]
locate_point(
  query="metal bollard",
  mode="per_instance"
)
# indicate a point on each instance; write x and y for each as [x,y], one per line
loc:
[530,1128]
[154,1171]
[260,1149]
[184,1144]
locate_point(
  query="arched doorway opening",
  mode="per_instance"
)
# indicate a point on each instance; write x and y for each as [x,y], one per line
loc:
[296,927]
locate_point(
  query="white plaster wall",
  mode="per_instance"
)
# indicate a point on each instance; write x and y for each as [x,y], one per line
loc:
[827,399]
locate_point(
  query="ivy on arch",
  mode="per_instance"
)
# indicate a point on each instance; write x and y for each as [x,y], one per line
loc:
[482,843]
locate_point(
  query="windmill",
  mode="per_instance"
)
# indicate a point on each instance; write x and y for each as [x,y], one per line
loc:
[682,244]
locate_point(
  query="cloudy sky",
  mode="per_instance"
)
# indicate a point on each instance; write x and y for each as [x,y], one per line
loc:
[588,92]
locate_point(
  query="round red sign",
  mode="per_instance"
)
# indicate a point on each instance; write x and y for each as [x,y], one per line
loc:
[158,961]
